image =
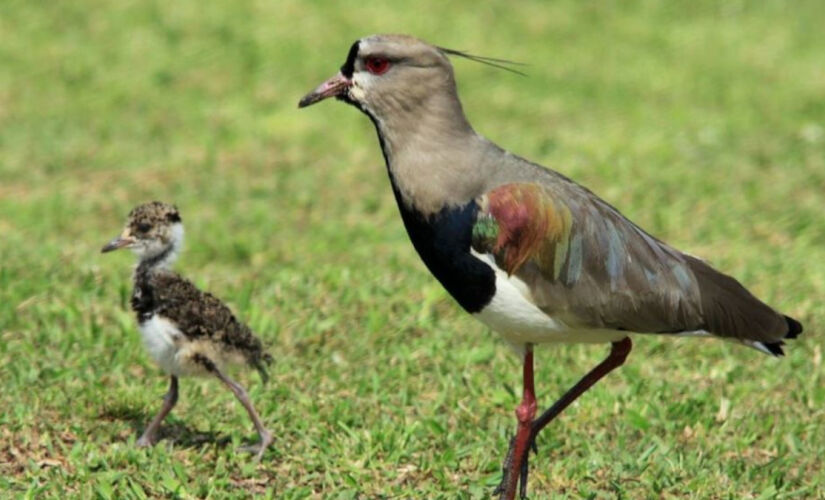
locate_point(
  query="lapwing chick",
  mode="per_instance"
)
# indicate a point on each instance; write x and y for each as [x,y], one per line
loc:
[535,256]
[186,331]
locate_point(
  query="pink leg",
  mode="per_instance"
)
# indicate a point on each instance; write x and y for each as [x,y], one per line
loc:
[515,466]
[149,436]
[525,412]
[243,398]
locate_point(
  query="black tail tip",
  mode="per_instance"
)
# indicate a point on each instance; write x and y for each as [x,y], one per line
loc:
[775,348]
[794,328]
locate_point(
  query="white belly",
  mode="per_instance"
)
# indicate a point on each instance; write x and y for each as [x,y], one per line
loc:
[161,338]
[511,314]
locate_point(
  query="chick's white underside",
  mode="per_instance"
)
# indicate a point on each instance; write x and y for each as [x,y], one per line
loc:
[161,338]
[176,355]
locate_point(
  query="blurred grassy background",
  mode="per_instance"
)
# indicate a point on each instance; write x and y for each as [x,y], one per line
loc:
[704,122]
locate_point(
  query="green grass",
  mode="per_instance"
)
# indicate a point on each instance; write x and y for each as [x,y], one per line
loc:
[703,122]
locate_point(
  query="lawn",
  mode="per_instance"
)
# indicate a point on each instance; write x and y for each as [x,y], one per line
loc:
[704,122]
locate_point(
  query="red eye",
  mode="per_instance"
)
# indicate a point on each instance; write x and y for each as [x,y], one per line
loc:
[377,65]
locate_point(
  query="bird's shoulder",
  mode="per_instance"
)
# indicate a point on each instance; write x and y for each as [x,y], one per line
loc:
[520,221]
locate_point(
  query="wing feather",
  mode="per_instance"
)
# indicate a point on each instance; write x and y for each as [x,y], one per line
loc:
[585,263]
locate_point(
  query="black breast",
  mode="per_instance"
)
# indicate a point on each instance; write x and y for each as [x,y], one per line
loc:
[143,298]
[443,242]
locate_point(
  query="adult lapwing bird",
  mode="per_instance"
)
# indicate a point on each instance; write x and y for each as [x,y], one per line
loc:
[185,330]
[527,251]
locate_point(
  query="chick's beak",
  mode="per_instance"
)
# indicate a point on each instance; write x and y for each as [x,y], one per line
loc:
[124,240]
[333,87]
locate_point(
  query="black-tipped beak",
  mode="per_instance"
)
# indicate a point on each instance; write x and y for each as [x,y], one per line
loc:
[119,242]
[333,87]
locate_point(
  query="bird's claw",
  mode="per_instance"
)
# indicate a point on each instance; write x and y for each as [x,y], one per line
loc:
[258,448]
[145,441]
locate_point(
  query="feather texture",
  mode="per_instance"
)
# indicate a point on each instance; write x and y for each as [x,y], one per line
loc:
[570,253]
[588,266]
[200,317]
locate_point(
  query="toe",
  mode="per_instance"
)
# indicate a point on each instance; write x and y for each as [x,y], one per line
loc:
[250,448]
[259,448]
[144,442]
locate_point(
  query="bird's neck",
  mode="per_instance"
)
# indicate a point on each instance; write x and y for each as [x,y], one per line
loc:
[159,261]
[431,153]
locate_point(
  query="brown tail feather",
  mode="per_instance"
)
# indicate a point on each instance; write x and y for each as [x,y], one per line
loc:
[730,310]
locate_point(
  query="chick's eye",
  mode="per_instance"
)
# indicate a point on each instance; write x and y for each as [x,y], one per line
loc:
[377,65]
[144,227]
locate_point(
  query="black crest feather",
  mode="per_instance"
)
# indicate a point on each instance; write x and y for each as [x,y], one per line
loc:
[504,64]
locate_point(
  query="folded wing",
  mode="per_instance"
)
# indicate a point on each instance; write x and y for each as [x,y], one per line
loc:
[584,263]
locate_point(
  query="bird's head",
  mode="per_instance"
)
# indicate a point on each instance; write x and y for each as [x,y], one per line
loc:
[153,231]
[384,74]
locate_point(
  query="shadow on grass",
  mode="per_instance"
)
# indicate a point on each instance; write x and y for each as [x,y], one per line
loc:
[180,434]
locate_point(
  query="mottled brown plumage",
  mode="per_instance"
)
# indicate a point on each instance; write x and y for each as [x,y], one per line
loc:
[185,330]
[200,316]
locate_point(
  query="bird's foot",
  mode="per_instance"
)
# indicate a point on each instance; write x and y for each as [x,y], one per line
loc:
[145,441]
[508,474]
[258,448]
